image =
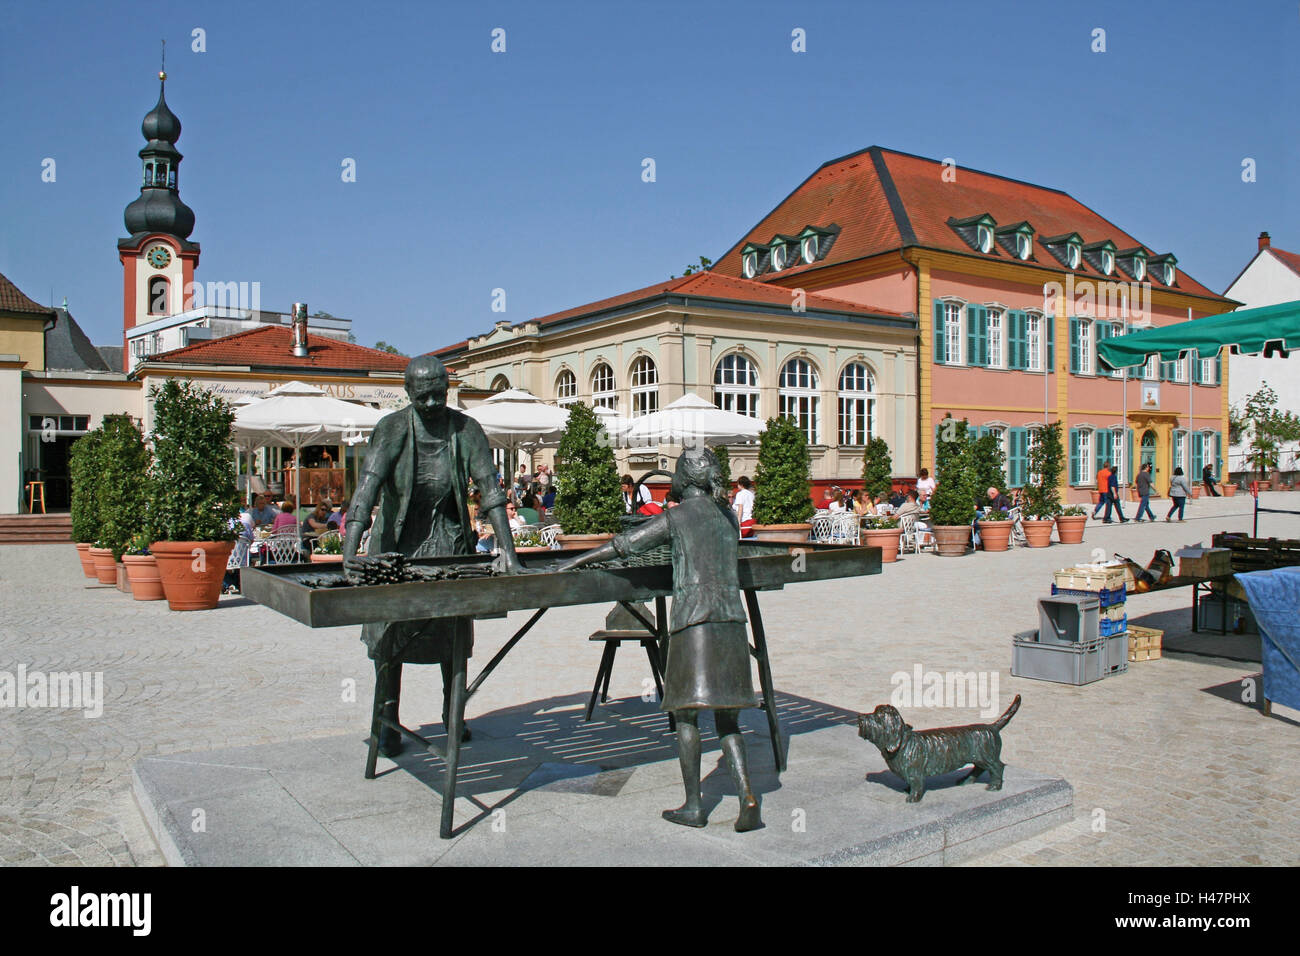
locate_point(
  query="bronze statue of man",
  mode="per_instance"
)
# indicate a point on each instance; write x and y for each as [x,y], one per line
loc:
[708,647]
[418,466]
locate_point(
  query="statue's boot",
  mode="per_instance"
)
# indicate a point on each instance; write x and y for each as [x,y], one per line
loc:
[749,819]
[389,679]
[692,812]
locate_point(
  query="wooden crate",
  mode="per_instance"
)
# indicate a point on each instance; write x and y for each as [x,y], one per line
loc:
[1090,578]
[1258,554]
[1145,643]
[1210,563]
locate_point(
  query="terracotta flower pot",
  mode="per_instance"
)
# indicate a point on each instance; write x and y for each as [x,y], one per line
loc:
[192,572]
[783,532]
[1069,528]
[995,535]
[1228,490]
[886,539]
[1196,491]
[142,571]
[326,559]
[87,562]
[105,566]
[123,583]
[582,541]
[1038,531]
[951,540]
[540,549]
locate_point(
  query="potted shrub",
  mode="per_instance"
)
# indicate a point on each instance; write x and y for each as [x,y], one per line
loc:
[192,499]
[142,570]
[952,506]
[877,469]
[329,550]
[995,530]
[123,472]
[783,506]
[1070,524]
[83,469]
[1042,491]
[883,533]
[105,567]
[588,496]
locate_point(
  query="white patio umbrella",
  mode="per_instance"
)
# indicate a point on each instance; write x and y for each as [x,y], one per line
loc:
[517,419]
[691,421]
[296,415]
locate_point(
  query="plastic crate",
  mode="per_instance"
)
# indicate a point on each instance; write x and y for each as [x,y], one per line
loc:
[1067,619]
[1107,628]
[1116,654]
[1236,619]
[1076,664]
[1106,597]
[1091,577]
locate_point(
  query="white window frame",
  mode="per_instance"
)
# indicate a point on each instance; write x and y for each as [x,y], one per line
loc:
[1139,268]
[1107,262]
[645,386]
[1034,342]
[1033,434]
[1088,477]
[780,252]
[566,388]
[1169,273]
[1086,346]
[1073,254]
[1181,369]
[801,400]
[984,238]
[749,264]
[856,401]
[1001,432]
[997,352]
[1180,451]
[1024,245]
[808,249]
[952,334]
[730,393]
[1207,372]
[1119,451]
[604,388]
[1151,371]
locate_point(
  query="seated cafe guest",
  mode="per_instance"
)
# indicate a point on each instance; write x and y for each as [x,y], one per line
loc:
[263,511]
[285,520]
[997,501]
[318,520]
[337,519]
[910,506]
[247,523]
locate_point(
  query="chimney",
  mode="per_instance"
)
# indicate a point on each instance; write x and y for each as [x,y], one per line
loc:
[1263,241]
[300,329]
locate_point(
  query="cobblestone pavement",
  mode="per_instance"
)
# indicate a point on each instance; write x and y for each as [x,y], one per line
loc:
[1165,772]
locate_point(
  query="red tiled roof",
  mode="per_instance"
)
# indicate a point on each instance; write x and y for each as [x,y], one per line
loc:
[711,285]
[1289,259]
[884,200]
[272,345]
[13,300]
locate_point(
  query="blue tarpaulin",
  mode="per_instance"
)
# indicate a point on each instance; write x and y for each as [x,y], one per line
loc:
[1274,598]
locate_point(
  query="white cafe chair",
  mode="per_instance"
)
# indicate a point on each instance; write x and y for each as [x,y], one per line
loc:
[238,555]
[822,525]
[284,547]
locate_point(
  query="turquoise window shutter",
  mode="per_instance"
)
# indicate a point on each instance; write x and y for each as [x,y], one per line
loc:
[1017,340]
[1074,344]
[1050,322]
[1195,363]
[1198,456]
[1218,451]
[1218,369]
[977,332]
[1101,439]
[1129,471]
[940,334]
[1075,457]
[1018,459]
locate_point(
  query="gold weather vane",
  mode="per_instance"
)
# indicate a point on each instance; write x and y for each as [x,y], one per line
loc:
[162,69]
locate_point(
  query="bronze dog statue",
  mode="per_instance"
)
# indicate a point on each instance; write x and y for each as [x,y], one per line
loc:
[917,754]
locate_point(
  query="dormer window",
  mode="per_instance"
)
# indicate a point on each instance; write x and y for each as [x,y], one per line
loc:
[1023,246]
[1067,248]
[749,265]
[808,249]
[1134,262]
[1101,256]
[984,239]
[778,257]
[976,231]
[1139,269]
[1017,239]
[1164,268]
[1073,254]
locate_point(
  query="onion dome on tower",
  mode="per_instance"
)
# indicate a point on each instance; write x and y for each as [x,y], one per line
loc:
[159,207]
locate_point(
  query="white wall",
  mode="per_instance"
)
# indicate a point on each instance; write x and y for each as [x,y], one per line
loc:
[1265,282]
[11,440]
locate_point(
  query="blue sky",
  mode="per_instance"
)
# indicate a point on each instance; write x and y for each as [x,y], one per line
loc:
[522,170]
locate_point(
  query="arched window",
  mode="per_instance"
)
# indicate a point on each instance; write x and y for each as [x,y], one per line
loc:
[857,400]
[159,294]
[798,398]
[645,386]
[603,394]
[500,383]
[735,385]
[566,388]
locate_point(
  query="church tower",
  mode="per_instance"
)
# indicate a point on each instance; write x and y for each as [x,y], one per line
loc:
[157,258]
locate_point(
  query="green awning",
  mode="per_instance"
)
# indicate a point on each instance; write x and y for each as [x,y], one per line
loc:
[1247,330]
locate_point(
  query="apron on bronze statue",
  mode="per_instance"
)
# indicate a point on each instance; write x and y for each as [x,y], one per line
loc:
[432,529]
[708,648]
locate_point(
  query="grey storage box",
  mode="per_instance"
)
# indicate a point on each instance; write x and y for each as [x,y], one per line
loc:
[1116,653]
[1080,663]
[1068,619]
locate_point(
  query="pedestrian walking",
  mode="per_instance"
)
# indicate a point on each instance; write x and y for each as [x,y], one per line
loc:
[1143,483]
[1179,492]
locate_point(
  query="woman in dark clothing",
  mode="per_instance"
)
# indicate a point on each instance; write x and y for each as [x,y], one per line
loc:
[1207,479]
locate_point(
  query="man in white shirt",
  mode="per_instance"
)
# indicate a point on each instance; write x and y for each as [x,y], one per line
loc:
[743,505]
[642,497]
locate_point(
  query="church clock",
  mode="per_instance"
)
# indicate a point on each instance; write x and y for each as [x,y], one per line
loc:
[159,257]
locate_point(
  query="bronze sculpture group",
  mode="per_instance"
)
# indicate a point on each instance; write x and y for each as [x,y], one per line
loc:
[417,473]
